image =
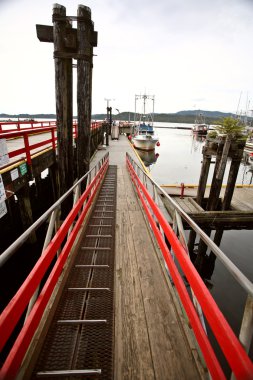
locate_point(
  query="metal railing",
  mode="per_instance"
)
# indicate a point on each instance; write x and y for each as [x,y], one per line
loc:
[28,148]
[59,240]
[8,126]
[234,350]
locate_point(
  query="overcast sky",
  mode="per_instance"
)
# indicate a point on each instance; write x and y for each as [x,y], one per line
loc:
[190,54]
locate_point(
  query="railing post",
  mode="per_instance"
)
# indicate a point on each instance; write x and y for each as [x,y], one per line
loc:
[246,332]
[182,190]
[48,238]
[27,149]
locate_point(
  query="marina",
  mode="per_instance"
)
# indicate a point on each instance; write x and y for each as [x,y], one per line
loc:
[125,255]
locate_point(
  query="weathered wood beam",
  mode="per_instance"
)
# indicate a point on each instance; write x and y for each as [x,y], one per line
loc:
[226,220]
[83,89]
[203,178]
[64,113]
[45,34]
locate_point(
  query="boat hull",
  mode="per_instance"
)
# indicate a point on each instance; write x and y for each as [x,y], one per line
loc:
[146,143]
[200,130]
[249,146]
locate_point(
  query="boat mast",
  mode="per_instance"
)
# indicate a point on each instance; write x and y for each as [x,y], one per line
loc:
[153,112]
[144,104]
[143,115]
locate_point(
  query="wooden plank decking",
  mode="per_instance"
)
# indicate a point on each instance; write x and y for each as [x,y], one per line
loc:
[239,216]
[150,337]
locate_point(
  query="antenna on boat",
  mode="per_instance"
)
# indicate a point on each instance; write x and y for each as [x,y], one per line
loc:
[108,101]
[238,104]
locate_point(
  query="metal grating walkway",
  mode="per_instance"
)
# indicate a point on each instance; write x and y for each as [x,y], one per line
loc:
[79,343]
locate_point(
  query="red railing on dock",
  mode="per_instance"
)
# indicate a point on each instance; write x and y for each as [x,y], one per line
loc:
[236,356]
[62,241]
[30,148]
[8,126]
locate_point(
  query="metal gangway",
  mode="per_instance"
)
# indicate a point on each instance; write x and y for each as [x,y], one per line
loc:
[84,243]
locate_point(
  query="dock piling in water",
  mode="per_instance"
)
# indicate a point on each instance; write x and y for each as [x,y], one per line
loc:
[222,148]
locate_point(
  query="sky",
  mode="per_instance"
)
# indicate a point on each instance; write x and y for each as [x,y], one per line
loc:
[190,54]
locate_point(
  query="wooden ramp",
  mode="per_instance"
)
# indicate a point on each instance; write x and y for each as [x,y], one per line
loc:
[150,338]
[150,335]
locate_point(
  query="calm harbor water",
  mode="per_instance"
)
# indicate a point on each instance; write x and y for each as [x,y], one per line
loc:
[180,156]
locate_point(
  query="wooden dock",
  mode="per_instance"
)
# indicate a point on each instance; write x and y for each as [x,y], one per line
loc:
[239,216]
[152,339]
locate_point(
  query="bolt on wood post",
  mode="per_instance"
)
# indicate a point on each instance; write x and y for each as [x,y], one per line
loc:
[83,89]
[63,92]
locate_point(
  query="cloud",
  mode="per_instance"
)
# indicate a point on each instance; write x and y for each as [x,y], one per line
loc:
[179,50]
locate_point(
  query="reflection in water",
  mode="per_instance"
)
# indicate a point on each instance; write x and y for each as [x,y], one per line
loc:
[198,137]
[197,142]
[148,157]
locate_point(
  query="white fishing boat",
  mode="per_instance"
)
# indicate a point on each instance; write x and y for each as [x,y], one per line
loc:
[144,136]
[200,128]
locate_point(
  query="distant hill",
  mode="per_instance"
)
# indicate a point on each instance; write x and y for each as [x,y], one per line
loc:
[206,113]
[187,116]
[28,116]
[211,117]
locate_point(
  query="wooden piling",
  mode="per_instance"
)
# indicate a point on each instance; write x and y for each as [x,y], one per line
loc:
[222,149]
[216,184]
[203,179]
[234,167]
[63,91]
[200,196]
[83,89]
[26,211]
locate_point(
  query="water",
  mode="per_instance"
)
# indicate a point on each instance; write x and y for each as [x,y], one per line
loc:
[180,156]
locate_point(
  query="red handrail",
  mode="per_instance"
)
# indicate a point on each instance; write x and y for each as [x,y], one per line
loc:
[28,147]
[13,311]
[235,354]
[29,124]
[34,124]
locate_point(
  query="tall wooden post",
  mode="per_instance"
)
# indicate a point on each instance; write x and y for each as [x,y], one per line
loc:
[26,211]
[216,182]
[200,196]
[234,167]
[71,43]
[84,28]
[203,178]
[63,92]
